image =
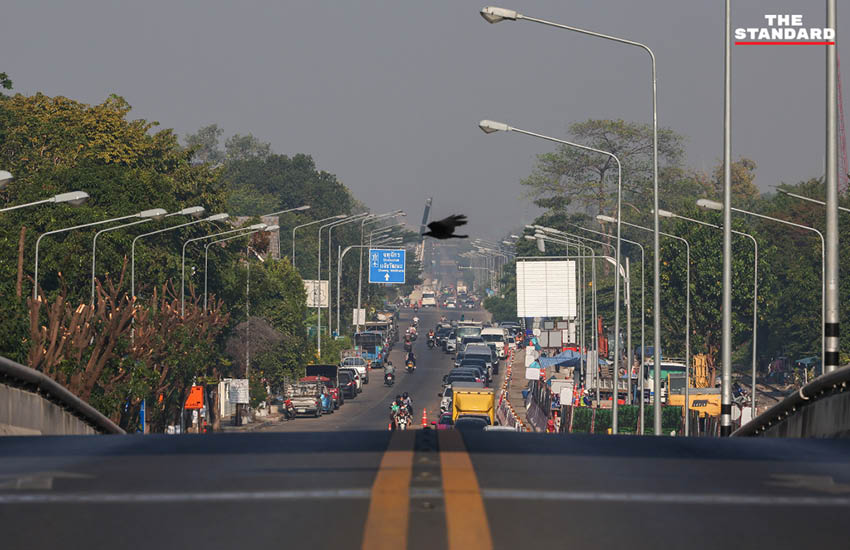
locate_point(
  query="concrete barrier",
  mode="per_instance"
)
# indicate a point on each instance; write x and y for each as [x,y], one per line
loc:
[33,404]
[821,408]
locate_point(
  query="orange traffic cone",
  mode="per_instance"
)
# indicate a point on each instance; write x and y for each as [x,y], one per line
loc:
[424,418]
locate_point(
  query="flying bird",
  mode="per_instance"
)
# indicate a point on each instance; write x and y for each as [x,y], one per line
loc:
[445,228]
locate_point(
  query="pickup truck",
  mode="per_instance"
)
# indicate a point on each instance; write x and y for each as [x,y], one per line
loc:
[306,397]
[331,373]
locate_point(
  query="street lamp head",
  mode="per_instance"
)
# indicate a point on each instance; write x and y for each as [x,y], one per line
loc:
[301,208]
[490,126]
[218,217]
[155,213]
[604,218]
[339,216]
[257,226]
[5,177]
[492,14]
[541,245]
[665,214]
[74,198]
[514,236]
[710,204]
[270,228]
[195,211]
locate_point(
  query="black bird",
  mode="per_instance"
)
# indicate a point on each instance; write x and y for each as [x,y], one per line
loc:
[445,228]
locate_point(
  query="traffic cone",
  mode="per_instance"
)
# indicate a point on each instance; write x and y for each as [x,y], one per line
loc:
[424,418]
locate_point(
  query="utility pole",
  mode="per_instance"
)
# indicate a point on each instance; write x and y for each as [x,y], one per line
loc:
[830,328]
[726,330]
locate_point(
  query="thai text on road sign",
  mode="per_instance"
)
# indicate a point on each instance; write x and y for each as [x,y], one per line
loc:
[386,266]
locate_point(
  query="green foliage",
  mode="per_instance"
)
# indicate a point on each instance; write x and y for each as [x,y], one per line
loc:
[589,180]
[627,419]
[5,82]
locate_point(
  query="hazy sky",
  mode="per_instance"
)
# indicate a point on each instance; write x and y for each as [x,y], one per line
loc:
[387,94]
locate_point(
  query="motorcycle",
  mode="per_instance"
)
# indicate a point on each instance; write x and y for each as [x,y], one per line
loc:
[389,379]
[288,410]
[411,366]
[402,421]
[431,343]
[408,345]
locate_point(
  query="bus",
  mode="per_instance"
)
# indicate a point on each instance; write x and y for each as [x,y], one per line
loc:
[370,346]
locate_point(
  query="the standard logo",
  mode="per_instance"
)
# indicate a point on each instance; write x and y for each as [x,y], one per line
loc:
[785,29]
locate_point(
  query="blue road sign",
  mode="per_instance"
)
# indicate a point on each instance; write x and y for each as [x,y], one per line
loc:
[386,266]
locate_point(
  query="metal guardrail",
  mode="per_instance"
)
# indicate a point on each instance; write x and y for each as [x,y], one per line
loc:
[824,386]
[21,377]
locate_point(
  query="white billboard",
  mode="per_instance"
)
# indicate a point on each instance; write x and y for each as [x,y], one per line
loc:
[546,288]
[317,292]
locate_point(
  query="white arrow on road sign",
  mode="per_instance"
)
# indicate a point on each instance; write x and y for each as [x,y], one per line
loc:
[386,276]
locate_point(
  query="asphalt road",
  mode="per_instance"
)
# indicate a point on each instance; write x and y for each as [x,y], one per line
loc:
[370,409]
[369,488]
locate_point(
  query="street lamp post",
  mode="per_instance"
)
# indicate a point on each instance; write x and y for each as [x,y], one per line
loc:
[657,366]
[330,270]
[279,240]
[317,289]
[668,214]
[191,211]
[94,247]
[488,127]
[360,269]
[641,375]
[713,205]
[142,214]
[183,260]
[494,15]
[268,229]
[74,198]
[337,217]
[568,241]
[213,218]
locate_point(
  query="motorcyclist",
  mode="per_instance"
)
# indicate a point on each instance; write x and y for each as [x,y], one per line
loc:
[431,334]
[415,320]
[395,408]
[411,358]
[389,371]
[407,402]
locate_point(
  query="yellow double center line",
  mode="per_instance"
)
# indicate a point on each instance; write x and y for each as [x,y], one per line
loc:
[389,508]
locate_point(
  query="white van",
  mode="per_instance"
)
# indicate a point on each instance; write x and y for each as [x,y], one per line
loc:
[497,336]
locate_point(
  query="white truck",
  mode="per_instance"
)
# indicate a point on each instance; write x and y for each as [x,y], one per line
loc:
[429,298]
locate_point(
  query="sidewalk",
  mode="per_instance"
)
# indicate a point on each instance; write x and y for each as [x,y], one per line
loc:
[258,423]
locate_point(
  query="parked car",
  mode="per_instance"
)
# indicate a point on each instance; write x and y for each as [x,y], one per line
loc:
[476,371]
[450,343]
[356,375]
[337,397]
[446,399]
[460,377]
[347,384]
[445,421]
[472,423]
[358,363]
[305,397]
